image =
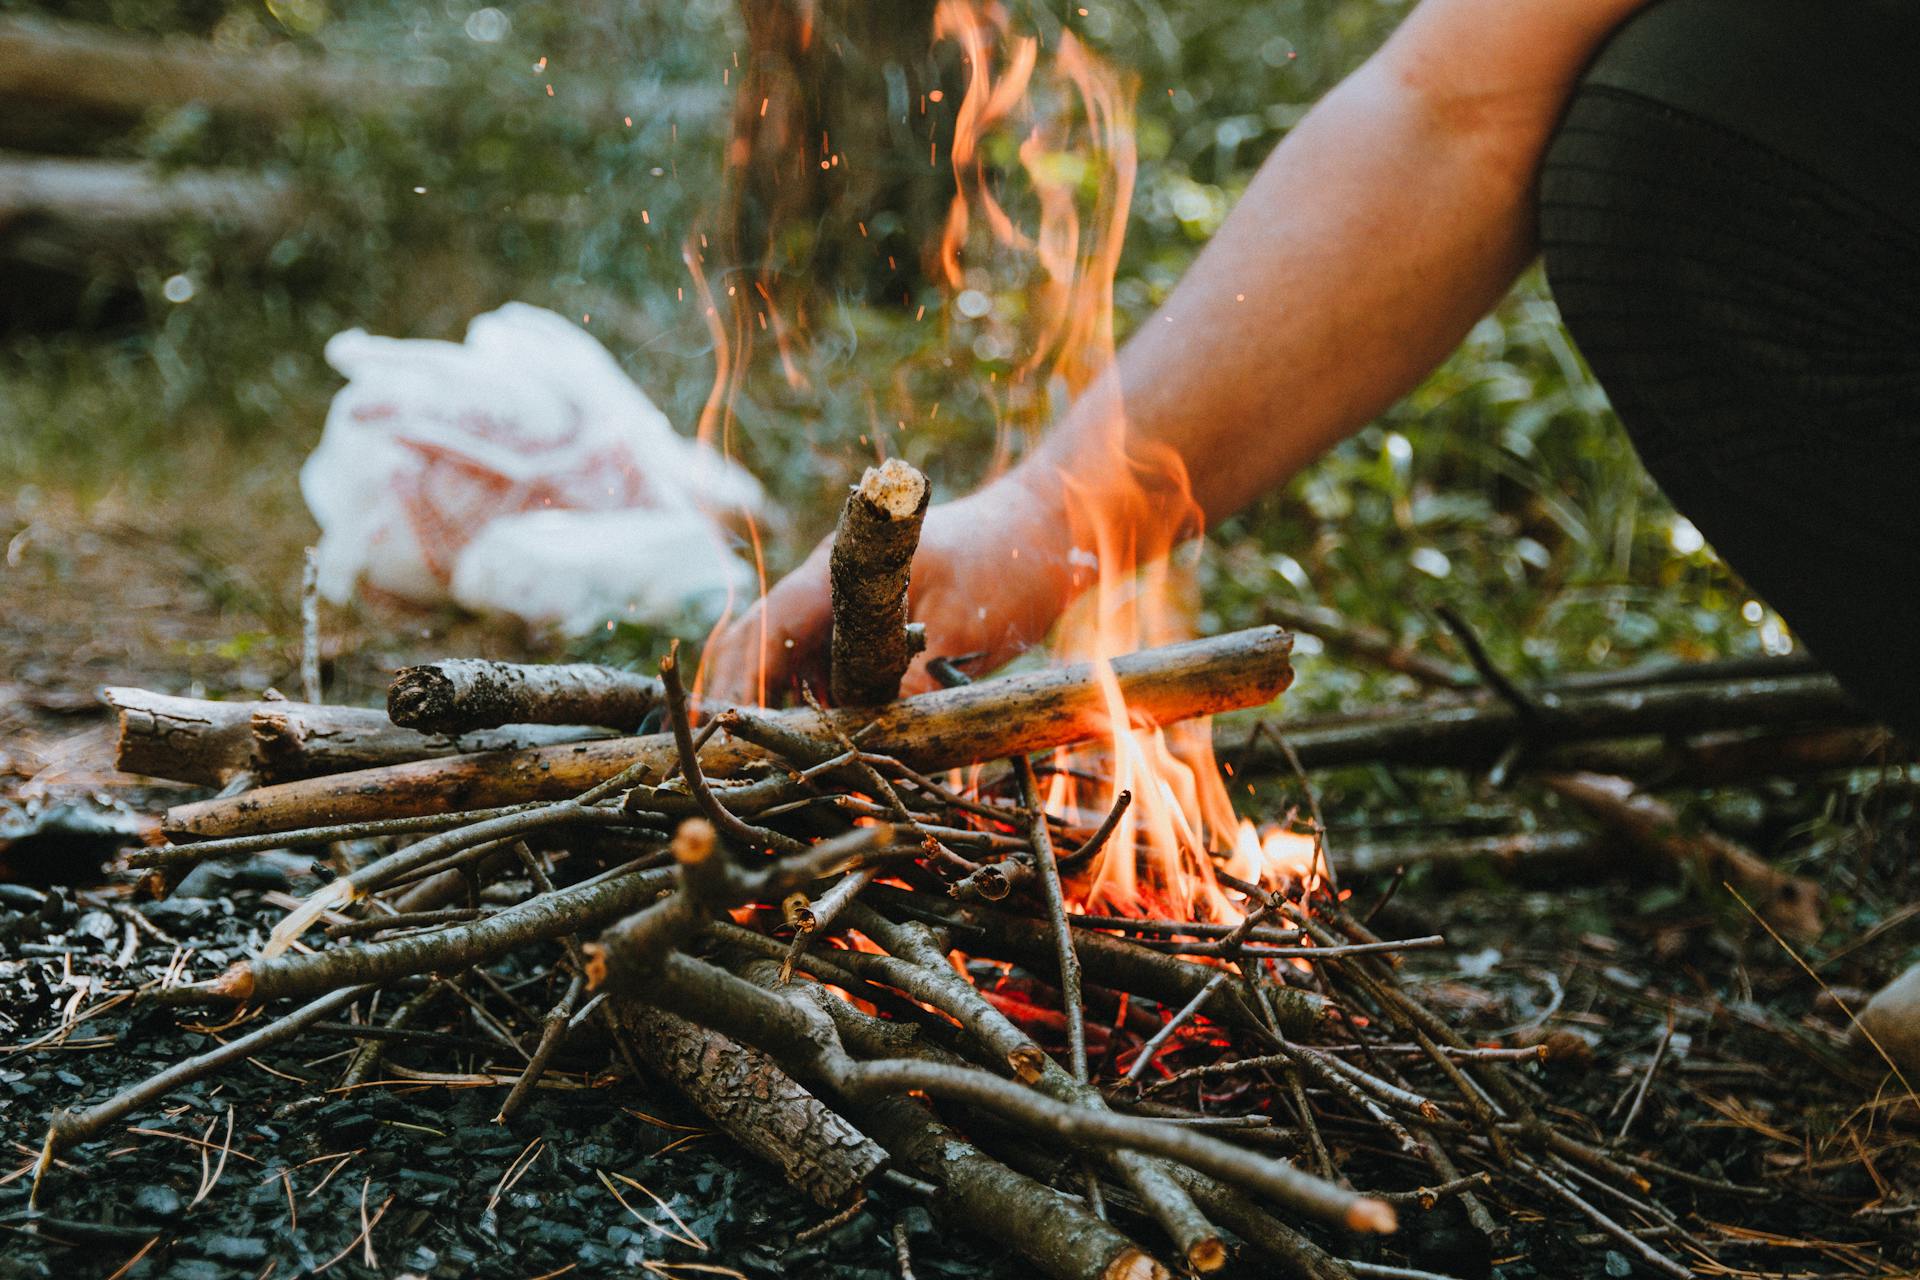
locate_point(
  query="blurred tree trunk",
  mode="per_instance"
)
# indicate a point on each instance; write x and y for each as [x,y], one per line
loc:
[833,132]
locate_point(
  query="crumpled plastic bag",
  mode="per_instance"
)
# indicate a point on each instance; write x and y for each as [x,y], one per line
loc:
[520,471]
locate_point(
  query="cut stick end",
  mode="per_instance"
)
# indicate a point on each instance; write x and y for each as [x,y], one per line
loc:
[1207,1255]
[694,842]
[895,488]
[1026,1063]
[419,698]
[594,964]
[235,984]
[1376,1216]
[1132,1264]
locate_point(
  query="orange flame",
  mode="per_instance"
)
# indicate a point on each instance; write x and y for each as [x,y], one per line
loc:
[1078,158]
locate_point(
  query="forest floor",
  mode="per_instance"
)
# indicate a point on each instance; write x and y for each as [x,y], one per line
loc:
[262,1171]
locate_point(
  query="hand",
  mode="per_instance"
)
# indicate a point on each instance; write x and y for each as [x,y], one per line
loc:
[991,577]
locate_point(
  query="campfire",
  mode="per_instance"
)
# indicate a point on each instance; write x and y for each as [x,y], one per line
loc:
[986,942]
[1003,949]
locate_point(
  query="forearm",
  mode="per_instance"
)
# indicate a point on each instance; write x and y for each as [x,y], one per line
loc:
[1369,243]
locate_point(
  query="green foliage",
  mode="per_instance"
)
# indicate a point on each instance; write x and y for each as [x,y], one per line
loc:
[1503,486]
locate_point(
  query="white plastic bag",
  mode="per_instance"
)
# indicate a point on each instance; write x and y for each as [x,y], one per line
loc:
[519,471]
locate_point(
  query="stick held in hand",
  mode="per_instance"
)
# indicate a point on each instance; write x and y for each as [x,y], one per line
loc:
[869,568]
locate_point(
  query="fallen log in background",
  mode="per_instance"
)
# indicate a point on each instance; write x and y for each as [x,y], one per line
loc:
[464,694]
[213,743]
[988,720]
[1791,903]
[1474,733]
[1712,759]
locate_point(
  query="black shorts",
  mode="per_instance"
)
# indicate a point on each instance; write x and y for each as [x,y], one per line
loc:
[1730,214]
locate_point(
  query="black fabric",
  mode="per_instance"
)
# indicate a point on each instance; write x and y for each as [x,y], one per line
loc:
[1832,85]
[1755,320]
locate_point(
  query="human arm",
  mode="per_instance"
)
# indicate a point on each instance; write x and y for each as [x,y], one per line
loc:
[1394,216]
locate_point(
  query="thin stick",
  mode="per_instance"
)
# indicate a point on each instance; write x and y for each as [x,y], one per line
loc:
[902,1247]
[381,871]
[310,628]
[1634,1244]
[1274,1178]
[69,1127]
[718,814]
[1057,915]
[1640,1094]
[818,915]
[550,1035]
[169,855]
[456,947]
[1173,1025]
[1098,840]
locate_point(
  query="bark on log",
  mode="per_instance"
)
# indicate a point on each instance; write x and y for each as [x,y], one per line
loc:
[1790,903]
[465,694]
[212,743]
[989,720]
[979,1194]
[869,566]
[754,1102]
[1468,734]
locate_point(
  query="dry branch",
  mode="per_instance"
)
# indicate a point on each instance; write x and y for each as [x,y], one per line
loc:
[449,950]
[1056,1234]
[212,743]
[461,695]
[758,1105]
[992,719]
[869,567]
[1791,903]
[1473,733]
[1367,643]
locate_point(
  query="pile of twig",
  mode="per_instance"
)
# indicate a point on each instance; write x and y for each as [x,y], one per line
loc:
[859,971]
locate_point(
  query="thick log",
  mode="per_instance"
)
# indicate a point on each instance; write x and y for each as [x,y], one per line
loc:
[750,1099]
[212,743]
[989,720]
[1474,733]
[1791,904]
[465,694]
[869,566]
[980,1194]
